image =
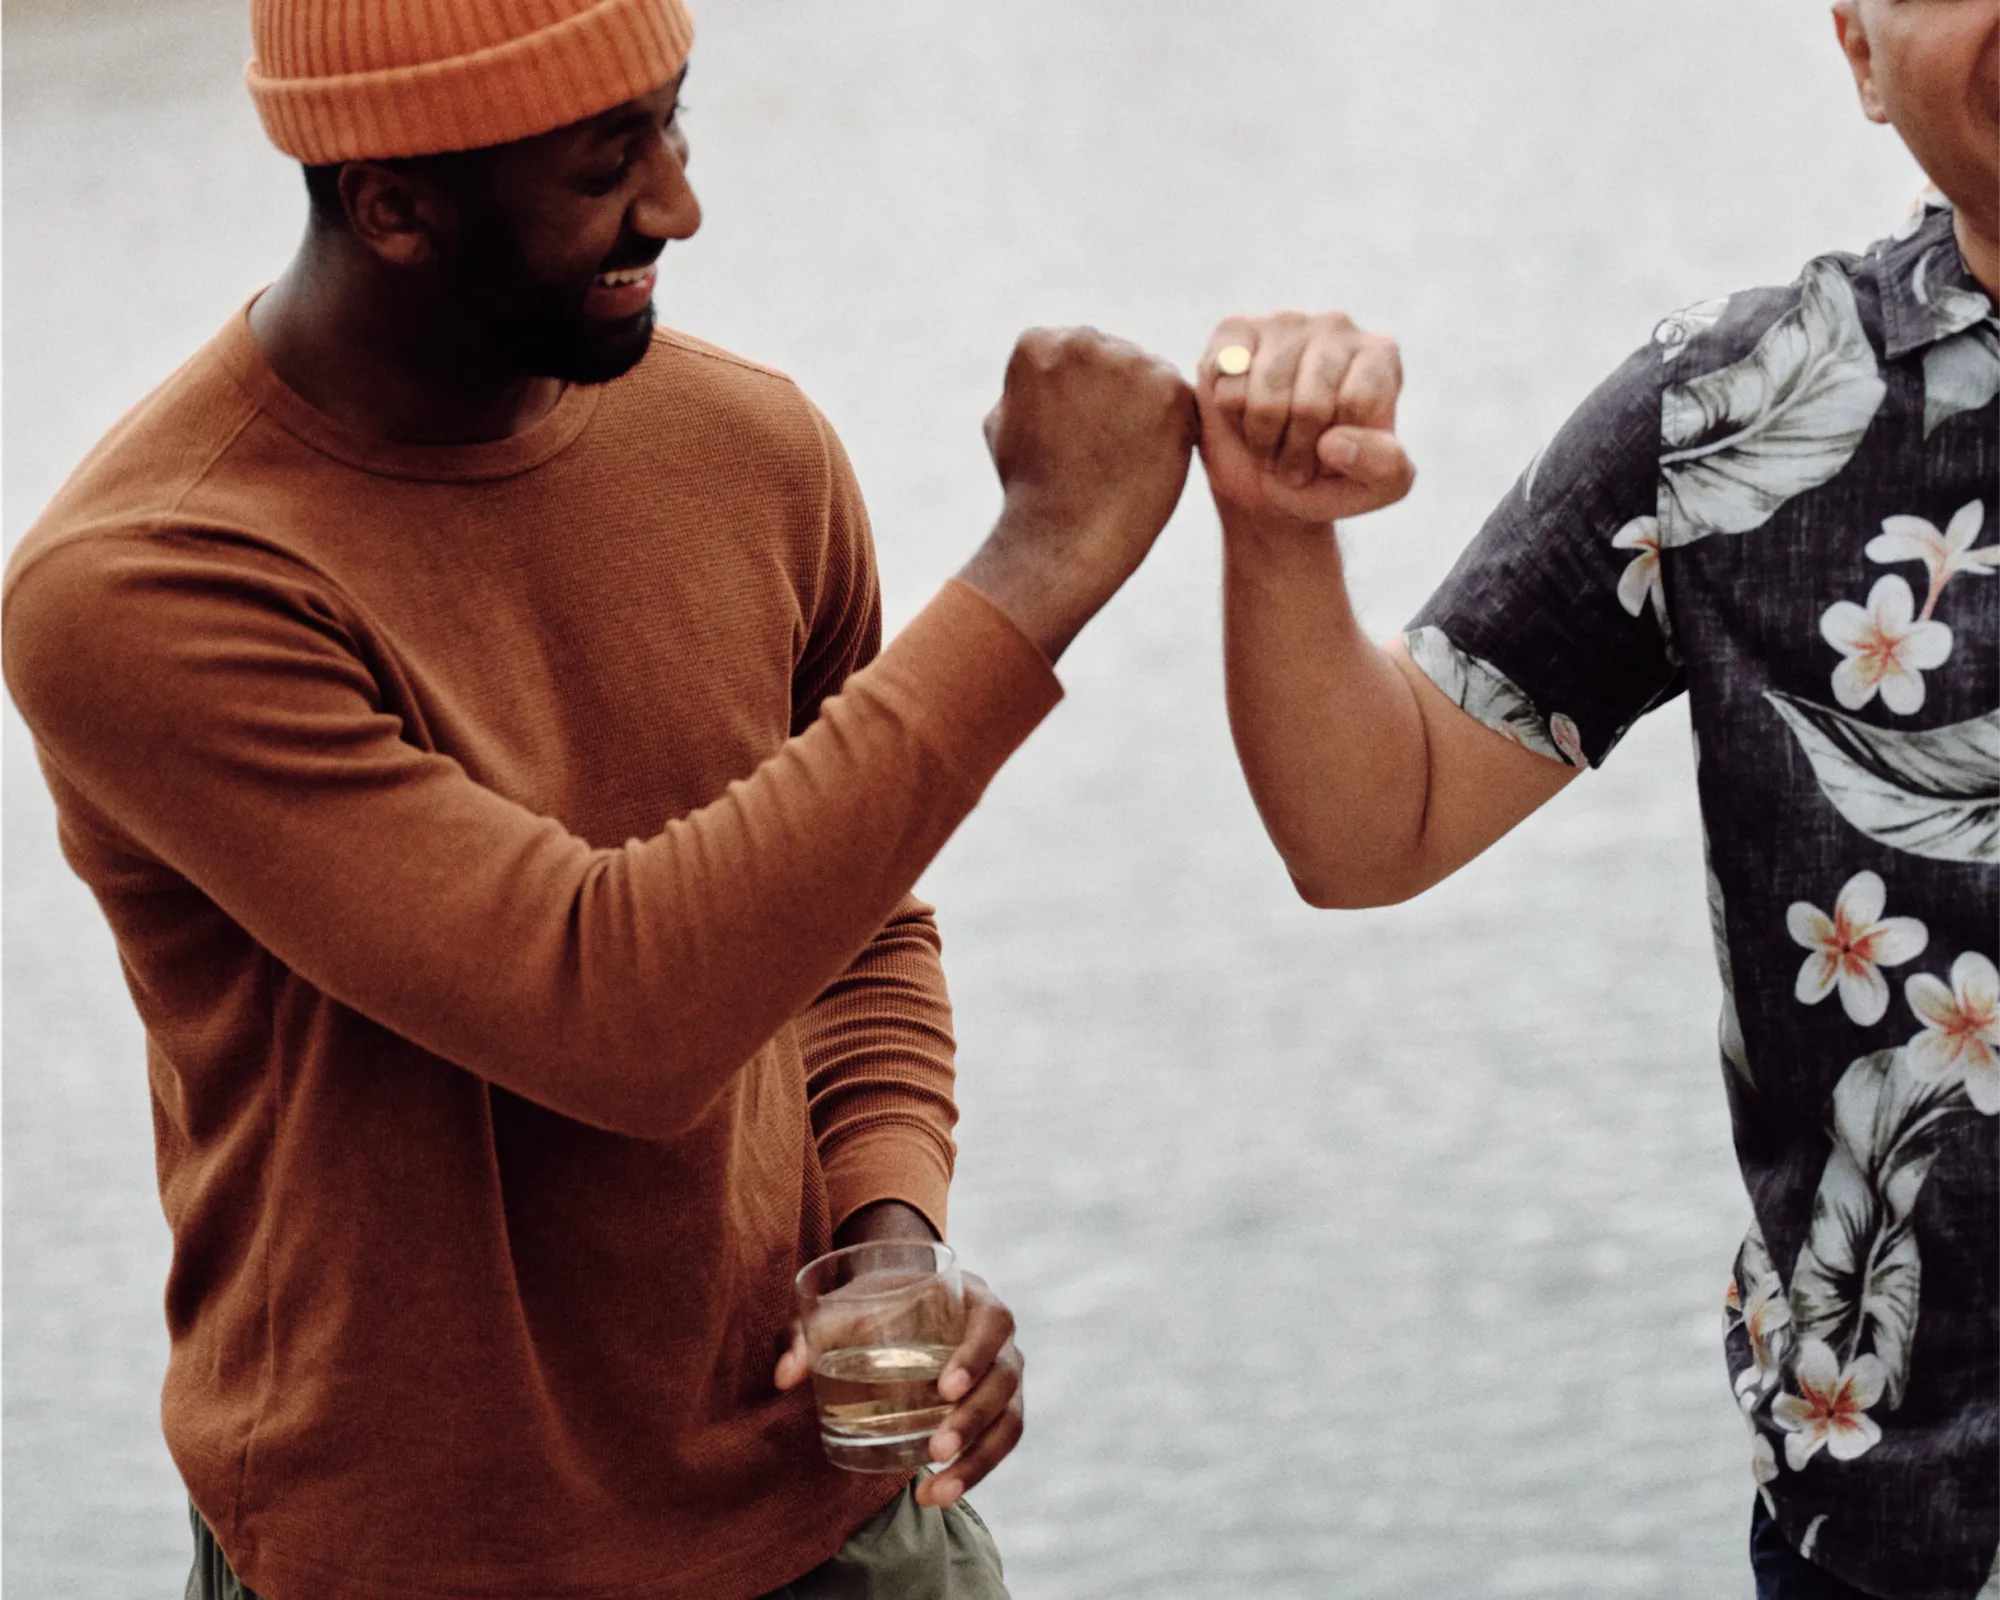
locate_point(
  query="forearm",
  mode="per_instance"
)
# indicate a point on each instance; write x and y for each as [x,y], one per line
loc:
[885,1219]
[880,1074]
[1329,731]
[236,736]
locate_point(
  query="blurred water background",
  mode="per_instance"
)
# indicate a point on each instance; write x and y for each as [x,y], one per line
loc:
[1361,1255]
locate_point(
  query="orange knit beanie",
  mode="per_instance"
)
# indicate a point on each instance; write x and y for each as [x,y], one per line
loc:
[349,80]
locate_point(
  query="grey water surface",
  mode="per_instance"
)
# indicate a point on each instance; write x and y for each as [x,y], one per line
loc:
[1360,1255]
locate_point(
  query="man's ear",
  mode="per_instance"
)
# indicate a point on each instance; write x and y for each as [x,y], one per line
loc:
[394,213]
[1852,31]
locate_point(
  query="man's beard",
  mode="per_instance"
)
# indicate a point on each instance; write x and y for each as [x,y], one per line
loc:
[534,328]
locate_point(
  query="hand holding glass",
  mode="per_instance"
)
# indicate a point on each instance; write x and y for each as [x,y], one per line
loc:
[881,1320]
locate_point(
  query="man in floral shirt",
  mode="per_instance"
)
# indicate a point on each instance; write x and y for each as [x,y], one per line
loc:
[1786,506]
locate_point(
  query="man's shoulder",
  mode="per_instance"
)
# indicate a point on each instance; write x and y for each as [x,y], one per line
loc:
[682,369]
[137,476]
[1839,298]
[1734,354]
[1832,292]
[718,364]
[690,401]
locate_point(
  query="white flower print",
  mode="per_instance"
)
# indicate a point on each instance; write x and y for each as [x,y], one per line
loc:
[1851,947]
[1944,555]
[1766,1316]
[1831,1408]
[1961,1037]
[1641,580]
[1568,739]
[1763,1460]
[1763,1467]
[1888,651]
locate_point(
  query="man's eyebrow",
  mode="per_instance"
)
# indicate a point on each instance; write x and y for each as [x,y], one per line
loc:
[629,120]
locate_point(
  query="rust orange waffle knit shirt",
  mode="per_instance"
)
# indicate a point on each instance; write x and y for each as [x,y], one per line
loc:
[523,944]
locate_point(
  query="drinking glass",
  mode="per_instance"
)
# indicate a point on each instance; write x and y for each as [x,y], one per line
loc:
[881,1320]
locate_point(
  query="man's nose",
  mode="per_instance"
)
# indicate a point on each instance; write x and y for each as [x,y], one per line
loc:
[666,208]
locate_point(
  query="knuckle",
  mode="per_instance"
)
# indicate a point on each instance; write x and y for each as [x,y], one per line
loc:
[1333,357]
[1367,389]
[1382,367]
[1038,345]
[1262,413]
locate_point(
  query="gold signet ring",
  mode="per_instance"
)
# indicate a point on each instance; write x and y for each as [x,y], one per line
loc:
[1232,360]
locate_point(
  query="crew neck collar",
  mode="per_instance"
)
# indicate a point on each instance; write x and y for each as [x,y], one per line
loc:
[546,438]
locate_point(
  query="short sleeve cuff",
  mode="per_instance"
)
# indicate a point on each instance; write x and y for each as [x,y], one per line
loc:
[1489,696]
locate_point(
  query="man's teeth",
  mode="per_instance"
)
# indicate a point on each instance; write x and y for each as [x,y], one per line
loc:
[618,280]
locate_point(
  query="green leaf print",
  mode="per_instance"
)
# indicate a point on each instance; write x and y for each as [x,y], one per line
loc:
[1482,690]
[1741,441]
[1961,374]
[1857,1281]
[1934,792]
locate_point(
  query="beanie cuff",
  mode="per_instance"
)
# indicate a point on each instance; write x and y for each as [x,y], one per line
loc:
[615,51]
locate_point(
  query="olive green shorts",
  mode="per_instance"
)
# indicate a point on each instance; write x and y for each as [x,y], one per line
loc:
[909,1552]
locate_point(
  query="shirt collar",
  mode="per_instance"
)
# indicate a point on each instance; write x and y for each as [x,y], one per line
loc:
[1928,292]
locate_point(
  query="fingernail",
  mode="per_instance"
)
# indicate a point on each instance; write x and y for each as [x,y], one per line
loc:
[954,1383]
[945,1445]
[948,1492]
[1345,452]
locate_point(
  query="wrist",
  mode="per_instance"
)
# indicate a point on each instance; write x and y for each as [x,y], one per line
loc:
[1023,569]
[885,1219]
[1257,526]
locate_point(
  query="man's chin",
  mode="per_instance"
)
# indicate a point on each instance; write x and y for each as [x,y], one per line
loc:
[605,353]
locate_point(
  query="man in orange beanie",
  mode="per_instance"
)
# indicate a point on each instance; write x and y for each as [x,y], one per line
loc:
[464,700]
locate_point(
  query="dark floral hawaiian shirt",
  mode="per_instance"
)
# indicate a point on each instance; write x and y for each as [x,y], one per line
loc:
[1786,506]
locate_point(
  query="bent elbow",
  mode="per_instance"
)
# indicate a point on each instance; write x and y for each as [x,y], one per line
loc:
[1346,887]
[1324,895]
[637,1084]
